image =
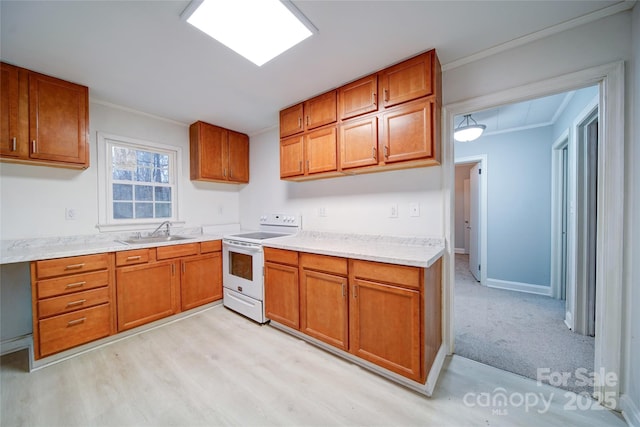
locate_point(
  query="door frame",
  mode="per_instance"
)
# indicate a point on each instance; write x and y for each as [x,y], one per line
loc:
[557,170]
[610,237]
[482,214]
[580,226]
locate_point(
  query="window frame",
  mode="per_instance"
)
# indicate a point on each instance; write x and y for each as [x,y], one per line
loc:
[106,221]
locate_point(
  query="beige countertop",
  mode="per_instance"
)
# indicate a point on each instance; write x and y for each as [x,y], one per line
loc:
[23,250]
[413,251]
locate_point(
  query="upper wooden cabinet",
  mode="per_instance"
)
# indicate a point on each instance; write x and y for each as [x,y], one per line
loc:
[308,154]
[44,120]
[320,111]
[408,80]
[311,114]
[359,97]
[218,154]
[387,120]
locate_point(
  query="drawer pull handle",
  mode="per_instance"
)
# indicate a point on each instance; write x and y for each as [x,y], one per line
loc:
[76,322]
[13,144]
[75,285]
[74,303]
[133,258]
[74,266]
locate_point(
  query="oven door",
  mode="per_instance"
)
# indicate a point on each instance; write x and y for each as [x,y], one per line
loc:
[242,265]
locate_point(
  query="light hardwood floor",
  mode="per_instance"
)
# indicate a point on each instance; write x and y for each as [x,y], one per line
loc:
[218,368]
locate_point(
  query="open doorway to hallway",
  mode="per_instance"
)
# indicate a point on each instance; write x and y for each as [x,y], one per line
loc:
[520,313]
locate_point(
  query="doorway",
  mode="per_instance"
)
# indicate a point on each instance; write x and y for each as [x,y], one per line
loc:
[471,212]
[610,78]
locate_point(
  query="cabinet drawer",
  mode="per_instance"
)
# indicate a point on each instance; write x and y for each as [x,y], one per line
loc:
[72,265]
[76,301]
[166,252]
[69,330]
[211,246]
[75,283]
[326,263]
[403,275]
[281,256]
[136,256]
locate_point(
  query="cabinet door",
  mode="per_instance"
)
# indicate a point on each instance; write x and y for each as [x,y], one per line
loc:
[320,111]
[323,302]
[408,132]
[291,121]
[238,157]
[201,281]
[58,120]
[291,156]
[281,294]
[13,142]
[321,150]
[208,149]
[359,97]
[359,143]
[408,80]
[385,327]
[146,293]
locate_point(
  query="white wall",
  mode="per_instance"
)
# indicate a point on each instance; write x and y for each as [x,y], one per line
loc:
[518,203]
[601,42]
[34,198]
[353,204]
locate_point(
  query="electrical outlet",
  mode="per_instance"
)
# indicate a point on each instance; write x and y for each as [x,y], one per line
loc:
[393,211]
[414,209]
[70,214]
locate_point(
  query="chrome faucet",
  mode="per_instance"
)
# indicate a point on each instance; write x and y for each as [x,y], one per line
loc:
[166,232]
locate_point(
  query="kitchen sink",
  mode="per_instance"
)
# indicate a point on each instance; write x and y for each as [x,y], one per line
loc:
[156,239]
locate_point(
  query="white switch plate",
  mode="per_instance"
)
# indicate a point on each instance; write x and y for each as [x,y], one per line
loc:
[70,214]
[414,209]
[393,211]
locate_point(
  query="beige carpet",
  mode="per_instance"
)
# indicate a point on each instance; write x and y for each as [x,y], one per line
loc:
[518,332]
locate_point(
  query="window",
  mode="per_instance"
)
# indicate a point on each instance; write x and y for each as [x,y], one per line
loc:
[139,181]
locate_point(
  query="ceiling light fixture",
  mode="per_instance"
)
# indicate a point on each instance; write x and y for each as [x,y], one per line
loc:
[466,131]
[259,30]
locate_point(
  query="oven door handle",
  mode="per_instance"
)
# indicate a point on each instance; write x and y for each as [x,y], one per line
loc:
[248,248]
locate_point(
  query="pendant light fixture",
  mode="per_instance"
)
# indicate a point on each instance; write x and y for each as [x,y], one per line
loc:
[467,131]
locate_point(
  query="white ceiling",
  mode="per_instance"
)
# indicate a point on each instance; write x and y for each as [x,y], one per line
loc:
[522,115]
[141,55]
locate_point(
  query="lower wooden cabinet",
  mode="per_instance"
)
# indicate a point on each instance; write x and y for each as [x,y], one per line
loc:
[201,281]
[386,327]
[73,302]
[61,332]
[80,299]
[146,292]
[386,314]
[281,289]
[323,301]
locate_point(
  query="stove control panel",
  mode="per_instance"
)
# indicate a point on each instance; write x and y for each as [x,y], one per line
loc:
[286,220]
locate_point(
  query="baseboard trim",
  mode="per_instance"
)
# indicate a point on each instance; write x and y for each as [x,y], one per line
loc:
[15,344]
[630,411]
[460,251]
[519,287]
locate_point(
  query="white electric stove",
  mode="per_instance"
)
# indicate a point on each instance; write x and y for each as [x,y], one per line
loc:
[243,264]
